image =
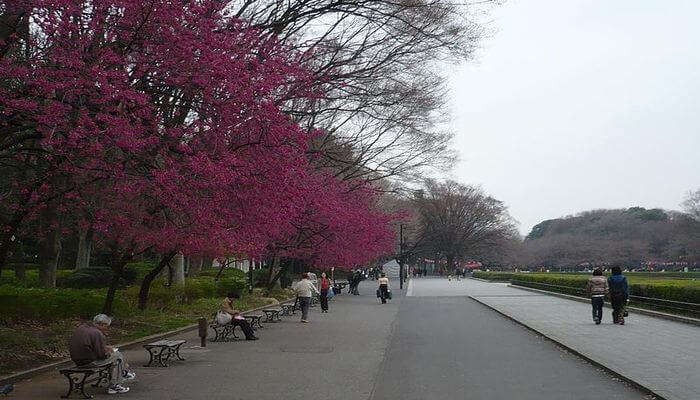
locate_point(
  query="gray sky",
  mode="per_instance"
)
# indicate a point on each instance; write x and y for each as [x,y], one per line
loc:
[575,105]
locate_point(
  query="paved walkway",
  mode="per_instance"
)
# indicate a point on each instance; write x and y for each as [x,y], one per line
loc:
[422,347]
[661,355]
[336,356]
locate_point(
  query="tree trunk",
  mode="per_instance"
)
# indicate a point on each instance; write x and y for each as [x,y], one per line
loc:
[109,300]
[118,264]
[207,263]
[251,268]
[179,270]
[84,249]
[450,264]
[275,273]
[195,266]
[50,257]
[150,277]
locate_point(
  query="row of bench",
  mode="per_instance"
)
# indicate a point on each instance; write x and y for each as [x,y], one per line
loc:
[162,351]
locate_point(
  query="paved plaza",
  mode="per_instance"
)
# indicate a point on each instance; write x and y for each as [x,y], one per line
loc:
[434,343]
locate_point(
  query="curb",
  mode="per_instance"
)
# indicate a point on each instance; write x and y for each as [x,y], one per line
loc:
[575,352]
[658,314]
[22,375]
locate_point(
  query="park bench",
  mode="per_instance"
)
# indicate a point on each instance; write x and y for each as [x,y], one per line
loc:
[288,309]
[272,314]
[222,333]
[95,373]
[254,320]
[162,350]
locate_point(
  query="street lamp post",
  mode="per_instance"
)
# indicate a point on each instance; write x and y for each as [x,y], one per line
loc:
[401,260]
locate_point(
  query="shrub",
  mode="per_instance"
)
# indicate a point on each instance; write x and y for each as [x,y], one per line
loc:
[493,275]
[96,277]
[52,304]
[676,290]
[142,268]
[226,273]
[195,289]
[31,278]
[230,284]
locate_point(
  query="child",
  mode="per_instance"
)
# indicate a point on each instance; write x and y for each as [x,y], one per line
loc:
[619,291]
[597,288]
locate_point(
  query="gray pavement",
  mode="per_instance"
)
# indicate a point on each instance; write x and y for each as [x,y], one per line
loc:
[661,355]
[454,348]
[336,356]
[417,347]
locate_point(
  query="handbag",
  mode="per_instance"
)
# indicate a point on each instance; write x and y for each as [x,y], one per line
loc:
[388,294]
[223,318]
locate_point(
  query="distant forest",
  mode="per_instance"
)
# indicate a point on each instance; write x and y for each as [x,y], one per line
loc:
[632,237]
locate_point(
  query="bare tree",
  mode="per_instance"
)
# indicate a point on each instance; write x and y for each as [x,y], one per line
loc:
[377,62]
[461,222]
[691,204]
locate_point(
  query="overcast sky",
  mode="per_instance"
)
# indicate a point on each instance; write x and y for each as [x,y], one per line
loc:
[575,105]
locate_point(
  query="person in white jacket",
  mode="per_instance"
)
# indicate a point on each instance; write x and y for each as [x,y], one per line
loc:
[304,289]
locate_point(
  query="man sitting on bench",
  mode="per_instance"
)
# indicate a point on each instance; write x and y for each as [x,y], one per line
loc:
[88,346]
[237,318]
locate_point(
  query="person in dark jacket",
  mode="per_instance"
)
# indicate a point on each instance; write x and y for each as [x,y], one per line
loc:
[88,347]
[619,292]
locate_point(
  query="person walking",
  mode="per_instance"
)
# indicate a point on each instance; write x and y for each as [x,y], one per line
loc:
[304,289]
[619,292]
[325,287]
[356,278]
[597,288]
[383,288]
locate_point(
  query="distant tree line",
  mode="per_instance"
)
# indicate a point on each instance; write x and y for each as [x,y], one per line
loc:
[627,237]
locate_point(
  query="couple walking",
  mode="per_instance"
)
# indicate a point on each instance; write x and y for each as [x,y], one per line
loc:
[305,288]
[616,285]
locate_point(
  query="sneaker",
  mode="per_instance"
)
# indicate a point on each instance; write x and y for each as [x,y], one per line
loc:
[304,321]
[129,376]
[252,338]
[597,321]
[116,389]
[622,321]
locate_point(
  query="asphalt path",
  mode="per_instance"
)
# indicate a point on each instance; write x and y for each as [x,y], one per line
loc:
[434,344]
[447,346]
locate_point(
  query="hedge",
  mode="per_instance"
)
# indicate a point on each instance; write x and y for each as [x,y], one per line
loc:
[493,276]
[52,304]
[668,289]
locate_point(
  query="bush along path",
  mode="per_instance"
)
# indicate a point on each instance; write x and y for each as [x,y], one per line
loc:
[657,291]
[35,323]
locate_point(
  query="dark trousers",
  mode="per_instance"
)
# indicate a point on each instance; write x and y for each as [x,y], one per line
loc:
[324,299]
[245,327]
[384,292]
[597,303]
[304,303]
[618,303]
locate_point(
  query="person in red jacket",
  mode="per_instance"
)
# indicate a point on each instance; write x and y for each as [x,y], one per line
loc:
[325,287]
